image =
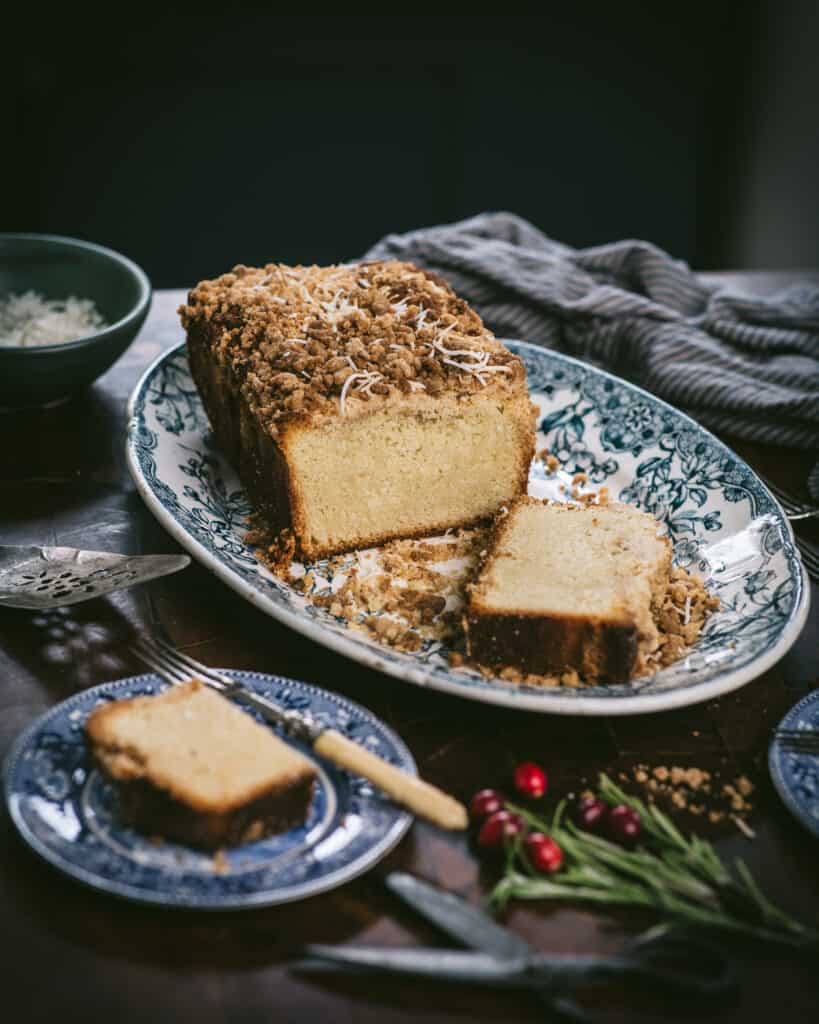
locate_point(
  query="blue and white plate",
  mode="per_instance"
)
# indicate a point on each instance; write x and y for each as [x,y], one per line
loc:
[796,775]
[723,522]
[67,811]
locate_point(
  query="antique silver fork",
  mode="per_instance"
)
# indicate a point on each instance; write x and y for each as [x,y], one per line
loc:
[411,792]
[794,508]
[797,511]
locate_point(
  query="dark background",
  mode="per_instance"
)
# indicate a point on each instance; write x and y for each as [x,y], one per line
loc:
[192,140]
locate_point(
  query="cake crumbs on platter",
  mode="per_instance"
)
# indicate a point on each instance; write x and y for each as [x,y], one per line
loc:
[408,593]
[550,463]
[275,551]
[397,593]
[685,608]
[599,497]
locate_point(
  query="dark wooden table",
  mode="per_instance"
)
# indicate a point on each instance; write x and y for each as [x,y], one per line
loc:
[70,953]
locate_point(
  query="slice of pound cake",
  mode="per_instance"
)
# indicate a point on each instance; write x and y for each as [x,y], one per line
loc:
[569,588]
[359,403]
[194,768]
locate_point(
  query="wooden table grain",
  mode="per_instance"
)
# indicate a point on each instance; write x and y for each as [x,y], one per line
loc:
[71,953]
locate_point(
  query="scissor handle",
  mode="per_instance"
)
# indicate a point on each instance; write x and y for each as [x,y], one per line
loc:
[686,965]
[707,973]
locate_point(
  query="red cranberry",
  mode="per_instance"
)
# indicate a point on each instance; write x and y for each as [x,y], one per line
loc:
[530,779]
[499,828]
[590,814]
[544,853]
[624,824]
[484,803]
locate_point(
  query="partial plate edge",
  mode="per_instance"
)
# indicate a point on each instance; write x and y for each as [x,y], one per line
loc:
[547,703]
[775,753]
[249,901]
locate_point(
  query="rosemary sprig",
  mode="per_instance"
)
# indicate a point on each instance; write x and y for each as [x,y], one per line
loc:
[681,878]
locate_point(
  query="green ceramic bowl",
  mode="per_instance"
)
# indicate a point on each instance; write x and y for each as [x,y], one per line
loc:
[58,267]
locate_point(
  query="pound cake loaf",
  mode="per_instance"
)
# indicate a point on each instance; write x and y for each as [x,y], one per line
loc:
[565,587]
[358,403]
[194,768]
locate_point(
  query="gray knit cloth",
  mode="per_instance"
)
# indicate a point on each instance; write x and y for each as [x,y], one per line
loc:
[744,366]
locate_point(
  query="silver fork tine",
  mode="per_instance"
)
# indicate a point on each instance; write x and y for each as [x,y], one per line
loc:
[166,667]
[784,500]
[169,662]
[796,510]
[191,665]
[810,559]
[179,669]
[417,795]
[159,665]
[790,504]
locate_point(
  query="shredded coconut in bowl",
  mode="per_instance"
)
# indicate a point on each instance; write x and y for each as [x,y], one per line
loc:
[30,319]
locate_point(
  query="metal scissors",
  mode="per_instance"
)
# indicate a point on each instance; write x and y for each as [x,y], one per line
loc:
[677,964]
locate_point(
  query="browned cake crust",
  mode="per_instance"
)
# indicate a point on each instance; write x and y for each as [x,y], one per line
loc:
[256,457]
[153,812]
[539,645]
[193,767]
[277,350]
[607,648]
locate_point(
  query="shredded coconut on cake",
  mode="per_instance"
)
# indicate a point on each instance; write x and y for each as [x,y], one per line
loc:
[359,331]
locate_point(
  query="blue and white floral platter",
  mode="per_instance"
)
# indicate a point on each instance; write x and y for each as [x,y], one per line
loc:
[796,774]
[67,811]
[723,522]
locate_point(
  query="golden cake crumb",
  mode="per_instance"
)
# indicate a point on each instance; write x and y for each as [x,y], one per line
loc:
[550,463]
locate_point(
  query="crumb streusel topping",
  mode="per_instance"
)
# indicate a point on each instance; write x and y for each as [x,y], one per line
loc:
[316,341]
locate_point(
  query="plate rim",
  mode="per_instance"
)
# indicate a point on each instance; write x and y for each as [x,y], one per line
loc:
[248,901]
[775,753]
[589,707]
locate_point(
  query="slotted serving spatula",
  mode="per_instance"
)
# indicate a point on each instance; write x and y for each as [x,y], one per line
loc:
[38,578]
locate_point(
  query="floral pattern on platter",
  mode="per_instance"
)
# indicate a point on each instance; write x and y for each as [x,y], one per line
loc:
[69,813]
[722,521]
[795,774]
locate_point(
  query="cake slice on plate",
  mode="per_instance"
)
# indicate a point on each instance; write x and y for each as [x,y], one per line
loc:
[194,768]
[359,403]
[566,588]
